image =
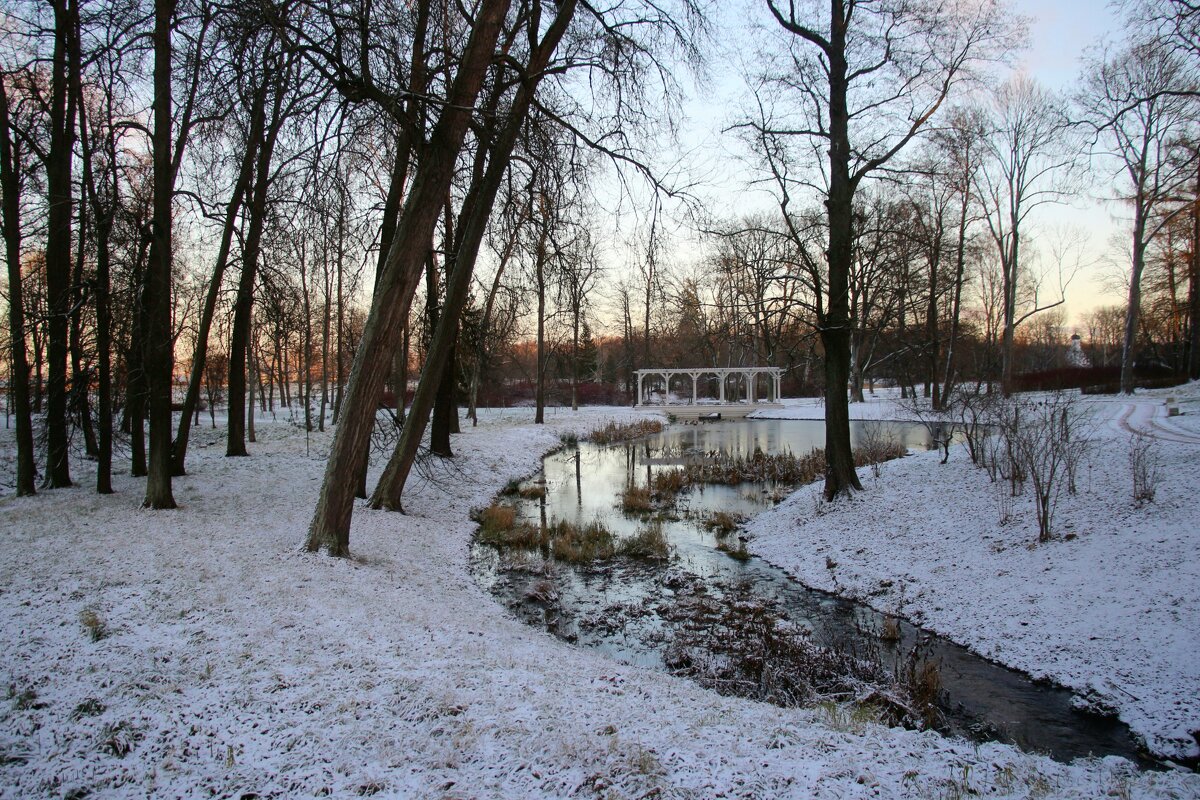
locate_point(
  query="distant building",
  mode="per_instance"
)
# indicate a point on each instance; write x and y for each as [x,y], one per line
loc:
[1075,355]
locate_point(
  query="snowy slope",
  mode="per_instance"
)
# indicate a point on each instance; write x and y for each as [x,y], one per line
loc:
[234,665]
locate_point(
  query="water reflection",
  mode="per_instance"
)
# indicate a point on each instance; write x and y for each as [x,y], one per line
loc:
[618,607]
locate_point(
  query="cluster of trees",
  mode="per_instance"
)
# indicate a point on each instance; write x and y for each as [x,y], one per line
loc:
[302,201]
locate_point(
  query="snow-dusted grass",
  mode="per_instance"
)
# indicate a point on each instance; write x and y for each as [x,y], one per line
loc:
[234,664]
[1109,608]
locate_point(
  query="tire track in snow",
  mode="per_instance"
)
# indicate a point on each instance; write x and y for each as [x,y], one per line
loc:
[1149,427]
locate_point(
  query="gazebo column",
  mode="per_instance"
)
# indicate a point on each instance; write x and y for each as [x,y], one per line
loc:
[637,398]
[695,378]
[722,377]
[751,384]
[666,389]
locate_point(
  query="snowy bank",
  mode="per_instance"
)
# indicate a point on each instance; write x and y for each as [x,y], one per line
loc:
[199,652]
[1109,608]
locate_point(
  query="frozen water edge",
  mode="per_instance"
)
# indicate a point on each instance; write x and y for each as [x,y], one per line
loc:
[234,663]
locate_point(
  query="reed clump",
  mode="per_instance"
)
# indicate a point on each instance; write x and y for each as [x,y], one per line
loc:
[637,500]
[648,544]
[580,544]
[613,432]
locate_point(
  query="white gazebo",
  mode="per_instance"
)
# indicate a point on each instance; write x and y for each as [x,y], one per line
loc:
[745,389]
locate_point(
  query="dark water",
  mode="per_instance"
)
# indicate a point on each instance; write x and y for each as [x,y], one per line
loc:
[615,607]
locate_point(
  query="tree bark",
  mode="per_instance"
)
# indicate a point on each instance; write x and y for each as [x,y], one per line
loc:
[58,246]
[158,360]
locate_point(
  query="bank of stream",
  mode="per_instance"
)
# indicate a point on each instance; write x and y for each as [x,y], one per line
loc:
[667,583]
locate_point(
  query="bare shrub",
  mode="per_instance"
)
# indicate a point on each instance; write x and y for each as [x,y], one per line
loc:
[1145,467]
[973,411]
[941,423]
[877,443]
[1045,440]
[1004,506]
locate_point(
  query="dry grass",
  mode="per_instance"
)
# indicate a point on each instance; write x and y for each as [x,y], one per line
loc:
[94,624]
[669,482]
[534,491]
[497,517]
[890,632]
[636,500]
[737,553]
[498,527]
[723,523]
[576,544]
[781,468]
[613,432]
[648,544]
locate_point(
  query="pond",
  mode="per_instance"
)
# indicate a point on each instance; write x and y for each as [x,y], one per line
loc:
[691,612]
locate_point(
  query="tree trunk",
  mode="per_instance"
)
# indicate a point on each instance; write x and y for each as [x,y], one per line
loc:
[960,259]
[243,306]
[1194,290]
[840,475]
[10,187]
[158,360]
[1134,307]
[477,209]
[58,246]
[103,215]
[330,528]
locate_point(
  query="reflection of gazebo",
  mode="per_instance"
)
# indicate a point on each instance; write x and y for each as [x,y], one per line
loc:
[744,385]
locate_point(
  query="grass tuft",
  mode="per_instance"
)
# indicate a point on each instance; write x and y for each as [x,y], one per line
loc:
[580,544]
[723,523]
[648,544]
[94,624]
[637,500]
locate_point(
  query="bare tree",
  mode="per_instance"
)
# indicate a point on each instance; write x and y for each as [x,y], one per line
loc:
[397,282]
[873,75]
[10,189]
[1028,154]
[1141,126]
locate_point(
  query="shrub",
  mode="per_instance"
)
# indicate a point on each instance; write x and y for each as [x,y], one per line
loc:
[877,443]
[1144,465]
[1045,439]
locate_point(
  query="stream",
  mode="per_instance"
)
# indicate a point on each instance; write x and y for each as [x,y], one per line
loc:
[656,613]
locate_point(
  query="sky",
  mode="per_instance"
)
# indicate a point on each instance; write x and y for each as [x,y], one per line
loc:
[1061,32]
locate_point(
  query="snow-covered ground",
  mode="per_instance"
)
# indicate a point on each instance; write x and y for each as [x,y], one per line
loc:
[1110,608]
[233,665]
